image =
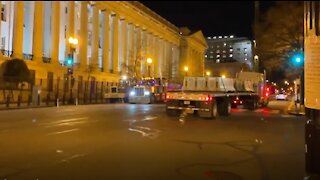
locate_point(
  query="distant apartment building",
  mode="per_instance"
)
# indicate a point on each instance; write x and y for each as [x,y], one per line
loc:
[226,49]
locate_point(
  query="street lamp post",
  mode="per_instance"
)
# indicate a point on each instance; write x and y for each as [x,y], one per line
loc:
[70,62]
[149,61]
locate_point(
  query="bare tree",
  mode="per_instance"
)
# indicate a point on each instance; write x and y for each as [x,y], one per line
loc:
[279,34]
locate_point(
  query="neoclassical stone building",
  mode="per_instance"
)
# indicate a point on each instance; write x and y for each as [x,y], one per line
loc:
[113,36]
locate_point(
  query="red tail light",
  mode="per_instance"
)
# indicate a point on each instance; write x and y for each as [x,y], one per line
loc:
[235,102]
[208,98]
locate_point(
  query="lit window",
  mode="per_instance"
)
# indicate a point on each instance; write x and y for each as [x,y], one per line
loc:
[245,59]
[230,55]
[230,46]
[211,52]
[220,36]
[224,44]
[211,56]
[223,51]
[231,36]
[245,49]
[218,46]
[225,36]
[224,56]
[214,37]
[218,55]
[218,60]
[230,49]
[218,51]
[208,37]
[205,56]
[245,54]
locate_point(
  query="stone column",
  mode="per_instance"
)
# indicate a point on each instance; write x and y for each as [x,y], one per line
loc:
[38,31]
[83,39]
[124,67]
[54,48]
[70,25]
[95,36]
[0,27]
[138,53]
[115,64]
[131,48]
[156,58]
[18,29]
[106,39]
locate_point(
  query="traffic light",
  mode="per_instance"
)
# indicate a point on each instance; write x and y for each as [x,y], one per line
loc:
[69,61]
[297,59]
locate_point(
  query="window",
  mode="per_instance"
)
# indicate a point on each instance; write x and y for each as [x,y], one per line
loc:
[223,51]
[205,56]
[245,54]
[66,10]
[211,52]
[224,56]
[245,59]
[218,55]
[230,49]
[218,60]
[3,42]
[3,13]
[238,49]
[224,44]
[218,46]
[218,51]
[211,56]
[230,55]
[209,37]
[245,49]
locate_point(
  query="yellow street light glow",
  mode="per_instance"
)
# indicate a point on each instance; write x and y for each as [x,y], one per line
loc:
[73,40]
[124,77]
[149,60]
[223,76]
[186,68]
[208,73]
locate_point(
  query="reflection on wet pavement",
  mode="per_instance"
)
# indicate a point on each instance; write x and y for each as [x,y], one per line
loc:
[143,130]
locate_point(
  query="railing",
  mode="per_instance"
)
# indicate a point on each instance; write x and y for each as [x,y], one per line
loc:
[27,56]
[6,53]
[46,59]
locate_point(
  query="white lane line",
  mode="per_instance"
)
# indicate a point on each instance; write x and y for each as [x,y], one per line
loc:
[62,132]
[287,115]
[65,121]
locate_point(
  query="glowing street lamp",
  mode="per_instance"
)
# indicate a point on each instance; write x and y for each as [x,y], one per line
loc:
[149,61]
[208,73]
[186,69]
[70,62]
[223,76]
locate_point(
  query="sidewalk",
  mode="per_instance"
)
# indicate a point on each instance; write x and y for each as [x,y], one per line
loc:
[296,108]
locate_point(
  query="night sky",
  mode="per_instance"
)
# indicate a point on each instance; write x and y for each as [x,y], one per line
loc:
[214,18]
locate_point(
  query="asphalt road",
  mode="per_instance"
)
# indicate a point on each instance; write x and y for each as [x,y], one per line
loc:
[124,141]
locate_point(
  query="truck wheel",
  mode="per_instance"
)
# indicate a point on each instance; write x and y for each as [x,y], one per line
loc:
[224,107]
[173,112]
[214,110]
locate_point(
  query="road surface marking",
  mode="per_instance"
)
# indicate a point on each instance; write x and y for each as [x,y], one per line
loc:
[61,132]
[63,122]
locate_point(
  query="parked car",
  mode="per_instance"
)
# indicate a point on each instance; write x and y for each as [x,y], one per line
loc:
[281,96]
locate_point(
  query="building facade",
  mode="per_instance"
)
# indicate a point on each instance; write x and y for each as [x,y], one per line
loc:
[226,49]
[115,38]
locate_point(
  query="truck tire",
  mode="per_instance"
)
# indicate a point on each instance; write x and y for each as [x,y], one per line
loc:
[214,110]
[224,107]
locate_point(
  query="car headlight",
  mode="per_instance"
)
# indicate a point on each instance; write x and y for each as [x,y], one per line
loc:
[146,93]
[132,93]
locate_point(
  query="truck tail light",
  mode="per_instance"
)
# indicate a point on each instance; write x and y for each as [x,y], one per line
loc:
[208,98]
